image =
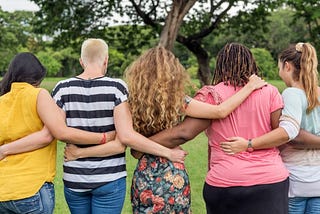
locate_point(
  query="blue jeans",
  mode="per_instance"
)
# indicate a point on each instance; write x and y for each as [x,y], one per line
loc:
[304,205]
[40,203]
[108,198]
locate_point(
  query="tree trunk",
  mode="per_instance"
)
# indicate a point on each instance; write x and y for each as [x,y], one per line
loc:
[173,22]
[170,32]
[195,47]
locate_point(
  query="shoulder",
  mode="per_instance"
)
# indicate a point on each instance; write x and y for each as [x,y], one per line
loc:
[292,91]
[116,81]
[63,84]
[208,94]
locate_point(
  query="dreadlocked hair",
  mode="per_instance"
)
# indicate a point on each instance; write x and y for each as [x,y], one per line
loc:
[303,57]
[234,65]
[157,87]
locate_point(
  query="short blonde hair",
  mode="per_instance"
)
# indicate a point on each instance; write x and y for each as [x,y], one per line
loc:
[94,51]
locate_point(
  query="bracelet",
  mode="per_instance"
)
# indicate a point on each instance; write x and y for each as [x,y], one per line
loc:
[104,138]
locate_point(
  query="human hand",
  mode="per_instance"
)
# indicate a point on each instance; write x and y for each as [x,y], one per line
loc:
[234,145]
[256,82]
[71,152]
[177,154]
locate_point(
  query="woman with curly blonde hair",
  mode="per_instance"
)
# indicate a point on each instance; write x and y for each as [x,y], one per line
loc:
[157,96]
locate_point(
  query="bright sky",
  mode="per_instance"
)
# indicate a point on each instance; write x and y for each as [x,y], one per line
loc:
[11,5]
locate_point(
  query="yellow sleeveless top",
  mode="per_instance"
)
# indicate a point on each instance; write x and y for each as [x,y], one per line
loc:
[22,175]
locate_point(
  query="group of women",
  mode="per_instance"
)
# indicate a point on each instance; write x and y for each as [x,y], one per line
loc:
[263,152]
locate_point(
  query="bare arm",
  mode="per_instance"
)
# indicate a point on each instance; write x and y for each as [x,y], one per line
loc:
[128,136]
[224,109]
[306,140]
[180,134]
[29,143]
[274,138]
[72,152]
[51,116]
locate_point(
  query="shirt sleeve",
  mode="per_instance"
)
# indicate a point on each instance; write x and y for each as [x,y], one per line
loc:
[57,96]
[276,100]
[206,94]
[292,112]
[121,93]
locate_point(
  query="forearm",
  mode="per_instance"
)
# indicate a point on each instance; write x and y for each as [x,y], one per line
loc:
[180,134]
[142,144]
[105,150]
[274,138]
[28,143]
[306,140]
[76,136]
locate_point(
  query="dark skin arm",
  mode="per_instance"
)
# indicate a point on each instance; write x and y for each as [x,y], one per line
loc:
[178,135]
[306,140]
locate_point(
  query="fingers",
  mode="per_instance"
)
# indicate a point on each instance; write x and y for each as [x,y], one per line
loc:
[226,147]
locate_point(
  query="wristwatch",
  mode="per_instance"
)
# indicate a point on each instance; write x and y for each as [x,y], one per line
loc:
[250,148]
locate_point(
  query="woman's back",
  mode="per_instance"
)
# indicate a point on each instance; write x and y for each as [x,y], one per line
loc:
[252,118]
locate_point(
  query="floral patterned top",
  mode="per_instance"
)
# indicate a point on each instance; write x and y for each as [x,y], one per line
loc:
[160,186]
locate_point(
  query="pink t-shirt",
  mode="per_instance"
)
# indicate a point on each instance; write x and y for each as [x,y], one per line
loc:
[251,119]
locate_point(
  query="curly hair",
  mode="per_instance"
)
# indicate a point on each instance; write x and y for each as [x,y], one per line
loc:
[303,57]
[235,64]
[157,89]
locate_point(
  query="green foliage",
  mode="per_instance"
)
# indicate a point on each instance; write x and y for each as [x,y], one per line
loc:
[48,59]
[14,29]
[265,62]
[309,11]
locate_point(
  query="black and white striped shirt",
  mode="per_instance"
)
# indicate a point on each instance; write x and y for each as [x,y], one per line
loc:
[89,105]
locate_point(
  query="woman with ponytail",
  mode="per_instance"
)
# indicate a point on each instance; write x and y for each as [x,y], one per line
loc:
[298,69]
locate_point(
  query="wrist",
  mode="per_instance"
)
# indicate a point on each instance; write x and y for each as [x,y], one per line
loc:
[104,138]
[250,146]
[4,151]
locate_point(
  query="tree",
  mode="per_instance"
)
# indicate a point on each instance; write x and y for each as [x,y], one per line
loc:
[310,12]
[15,28]
[185,21]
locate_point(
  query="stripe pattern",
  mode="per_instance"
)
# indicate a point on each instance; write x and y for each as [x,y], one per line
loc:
[89,105]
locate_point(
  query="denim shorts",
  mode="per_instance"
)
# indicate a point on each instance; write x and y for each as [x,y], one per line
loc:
[40,203]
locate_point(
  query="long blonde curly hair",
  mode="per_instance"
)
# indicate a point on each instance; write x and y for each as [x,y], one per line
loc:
[157,88]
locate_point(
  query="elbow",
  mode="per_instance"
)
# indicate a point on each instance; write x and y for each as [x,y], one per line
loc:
[125,138]
[48,138]
[61,135]
[222,113]
[184,134]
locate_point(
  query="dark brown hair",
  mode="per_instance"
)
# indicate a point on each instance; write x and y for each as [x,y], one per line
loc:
[235,64]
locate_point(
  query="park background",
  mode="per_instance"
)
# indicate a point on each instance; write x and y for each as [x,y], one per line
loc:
[193,30]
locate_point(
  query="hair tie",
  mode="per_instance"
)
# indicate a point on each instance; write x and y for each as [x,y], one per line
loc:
[299,46]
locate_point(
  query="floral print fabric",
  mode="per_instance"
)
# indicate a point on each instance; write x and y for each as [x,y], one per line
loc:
[160,186]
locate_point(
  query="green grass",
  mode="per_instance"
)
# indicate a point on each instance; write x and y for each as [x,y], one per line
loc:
[196,165]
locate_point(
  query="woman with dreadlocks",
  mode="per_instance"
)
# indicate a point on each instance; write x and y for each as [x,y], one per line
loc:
[251,181]
[298,69]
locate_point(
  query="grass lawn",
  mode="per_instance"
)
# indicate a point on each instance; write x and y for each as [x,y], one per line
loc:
[196,164]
